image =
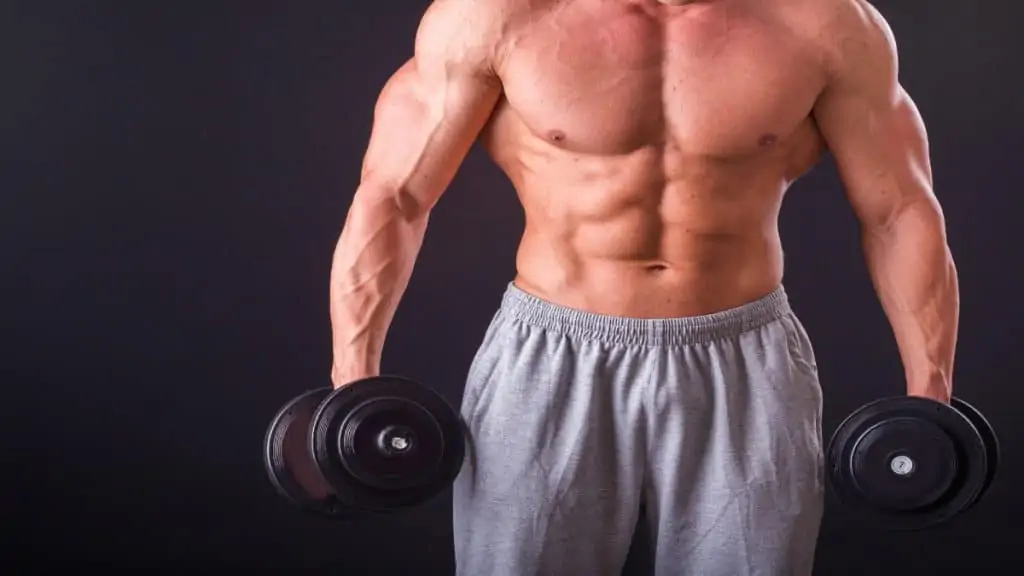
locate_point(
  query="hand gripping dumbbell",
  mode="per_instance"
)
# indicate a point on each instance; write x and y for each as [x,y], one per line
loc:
[907,463]
[379,444]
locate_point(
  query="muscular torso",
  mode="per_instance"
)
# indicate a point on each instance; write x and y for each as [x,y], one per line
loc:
[651,146]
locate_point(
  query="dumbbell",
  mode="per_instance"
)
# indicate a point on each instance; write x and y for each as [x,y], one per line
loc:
[379,444]
[908,463]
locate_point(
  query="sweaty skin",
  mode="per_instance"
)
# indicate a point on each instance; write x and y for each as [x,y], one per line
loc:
[651,143]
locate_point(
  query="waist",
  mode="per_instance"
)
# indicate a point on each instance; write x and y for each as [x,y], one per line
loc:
[649,287]
[520,305]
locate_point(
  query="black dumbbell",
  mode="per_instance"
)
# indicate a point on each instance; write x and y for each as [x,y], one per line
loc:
[907,463]
[379,444]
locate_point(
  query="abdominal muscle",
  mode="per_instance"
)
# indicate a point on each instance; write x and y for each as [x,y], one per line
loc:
[650,234]
[651,151]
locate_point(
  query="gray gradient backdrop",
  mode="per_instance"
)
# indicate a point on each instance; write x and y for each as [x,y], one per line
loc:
[172,181]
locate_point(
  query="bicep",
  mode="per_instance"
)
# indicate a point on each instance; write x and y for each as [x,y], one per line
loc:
[881,153]
[871,125]
[428,115]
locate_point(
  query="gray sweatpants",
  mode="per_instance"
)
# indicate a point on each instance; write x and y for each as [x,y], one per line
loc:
[711,423]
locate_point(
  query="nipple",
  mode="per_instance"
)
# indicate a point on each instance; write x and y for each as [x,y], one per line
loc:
[556,136]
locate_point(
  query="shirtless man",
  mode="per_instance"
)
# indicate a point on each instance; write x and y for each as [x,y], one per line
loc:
[645,353]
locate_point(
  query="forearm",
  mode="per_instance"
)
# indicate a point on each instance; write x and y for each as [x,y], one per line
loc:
[916,281]
[372,265]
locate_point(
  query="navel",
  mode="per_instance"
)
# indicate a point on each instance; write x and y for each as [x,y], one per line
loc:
[556,136]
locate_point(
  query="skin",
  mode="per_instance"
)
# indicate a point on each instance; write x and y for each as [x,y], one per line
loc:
[651,144]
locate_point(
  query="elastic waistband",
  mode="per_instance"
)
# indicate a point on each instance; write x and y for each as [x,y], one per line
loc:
[530,310]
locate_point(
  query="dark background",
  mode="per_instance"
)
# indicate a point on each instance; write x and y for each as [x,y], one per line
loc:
[174,177]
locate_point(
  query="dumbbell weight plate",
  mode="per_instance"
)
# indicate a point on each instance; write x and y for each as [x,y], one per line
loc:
[287,458]
[988,436]
[386,443]
[907,463]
